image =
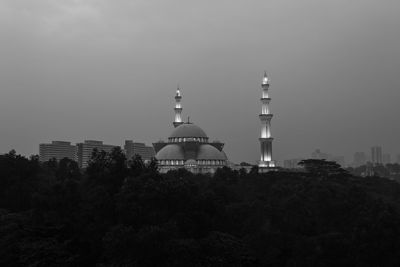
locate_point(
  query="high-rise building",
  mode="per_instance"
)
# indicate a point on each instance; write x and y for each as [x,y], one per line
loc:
[57,150]
[317,154]
[266,139]
[339,160]
[359,159]
[369,171]
[291,163]
[376,155]
[85,150]
[132,148]
[386,159]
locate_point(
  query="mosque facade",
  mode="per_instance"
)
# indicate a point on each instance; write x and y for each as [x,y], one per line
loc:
[188,147]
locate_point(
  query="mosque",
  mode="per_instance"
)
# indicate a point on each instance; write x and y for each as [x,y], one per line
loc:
[188,147]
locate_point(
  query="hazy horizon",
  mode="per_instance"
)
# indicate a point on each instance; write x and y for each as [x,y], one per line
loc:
[108,70]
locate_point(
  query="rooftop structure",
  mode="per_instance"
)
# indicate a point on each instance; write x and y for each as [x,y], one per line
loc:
[188,147]
[57,150]
[85,151]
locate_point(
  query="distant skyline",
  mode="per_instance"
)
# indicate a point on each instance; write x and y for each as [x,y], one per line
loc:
[108,70]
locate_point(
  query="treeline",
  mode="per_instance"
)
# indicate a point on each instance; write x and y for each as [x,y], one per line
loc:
[391,170]
[127,214]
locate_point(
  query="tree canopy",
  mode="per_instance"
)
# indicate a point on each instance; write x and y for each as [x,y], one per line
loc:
[120,213]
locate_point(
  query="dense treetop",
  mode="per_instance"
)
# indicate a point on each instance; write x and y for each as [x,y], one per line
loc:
[125,213]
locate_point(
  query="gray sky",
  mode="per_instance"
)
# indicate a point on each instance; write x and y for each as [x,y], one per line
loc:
[108,70]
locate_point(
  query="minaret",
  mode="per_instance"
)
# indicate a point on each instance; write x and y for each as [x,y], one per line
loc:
[266,137]
[178,108]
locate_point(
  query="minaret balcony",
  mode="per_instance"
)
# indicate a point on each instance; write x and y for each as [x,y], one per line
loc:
[265,117]
[269,139]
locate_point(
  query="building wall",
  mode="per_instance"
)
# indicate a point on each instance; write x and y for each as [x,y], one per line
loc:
[317,154]
[57,150]
[192,169]
[359,159]
[85,150]
[291,163]
[376,155]
[194,166]
[131,149]
[386,159]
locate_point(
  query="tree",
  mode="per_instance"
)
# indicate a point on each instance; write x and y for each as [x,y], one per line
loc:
[322,167]
[107,169]
[68,169]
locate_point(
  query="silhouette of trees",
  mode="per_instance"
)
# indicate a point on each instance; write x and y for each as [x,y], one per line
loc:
[322,167]
[119,213]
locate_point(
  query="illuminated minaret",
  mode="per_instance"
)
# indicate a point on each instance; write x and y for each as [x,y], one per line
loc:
[266,137]
[178,108]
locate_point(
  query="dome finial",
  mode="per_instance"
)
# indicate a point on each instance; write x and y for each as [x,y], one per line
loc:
[265,78]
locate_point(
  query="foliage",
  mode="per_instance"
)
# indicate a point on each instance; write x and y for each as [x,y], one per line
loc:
[119,213]
[322,167]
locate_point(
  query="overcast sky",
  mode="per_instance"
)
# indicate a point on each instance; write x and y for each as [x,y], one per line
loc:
[108,70]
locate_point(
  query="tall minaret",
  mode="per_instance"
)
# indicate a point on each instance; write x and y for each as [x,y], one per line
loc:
[178,108]
[266,137]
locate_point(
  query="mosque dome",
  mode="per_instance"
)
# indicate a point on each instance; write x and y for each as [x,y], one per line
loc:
[208,152]
[171,151]
[188,130]
[188,147]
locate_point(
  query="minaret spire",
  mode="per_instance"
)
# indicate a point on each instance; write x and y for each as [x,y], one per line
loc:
[178,108]
[266,139]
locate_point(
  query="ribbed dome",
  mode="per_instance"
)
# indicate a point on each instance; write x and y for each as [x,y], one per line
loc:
[171,152]
[188,130]
[210,153]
